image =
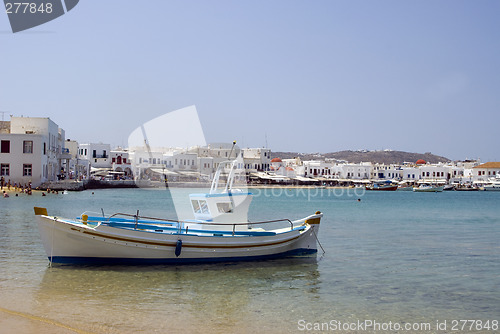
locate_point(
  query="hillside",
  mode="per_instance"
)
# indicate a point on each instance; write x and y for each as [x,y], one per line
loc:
[386,157]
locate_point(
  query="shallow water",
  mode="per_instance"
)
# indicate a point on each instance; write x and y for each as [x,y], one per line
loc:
[393,256]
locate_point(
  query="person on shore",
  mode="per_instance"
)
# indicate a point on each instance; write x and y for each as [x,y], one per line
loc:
[2,181]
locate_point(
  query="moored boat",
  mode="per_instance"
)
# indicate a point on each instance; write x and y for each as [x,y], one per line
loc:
[428,188]
[382,186]
[218,232]
[492,185]
[448,187]
[404,186]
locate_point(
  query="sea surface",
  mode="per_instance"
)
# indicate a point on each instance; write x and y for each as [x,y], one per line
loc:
[399,258]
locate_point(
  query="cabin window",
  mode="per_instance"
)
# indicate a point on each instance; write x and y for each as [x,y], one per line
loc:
[200,206]
[204,207]
[225,207]
[196,206]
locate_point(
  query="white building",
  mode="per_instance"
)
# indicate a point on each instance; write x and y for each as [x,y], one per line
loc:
[411,173]
[486,171]
[121,163]
[96,154]
[31,150]
[257,159]
[387,172]
[360,171]
[434,173]
[316,168]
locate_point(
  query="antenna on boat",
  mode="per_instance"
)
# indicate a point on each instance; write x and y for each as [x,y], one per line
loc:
[232,147]
[146,143]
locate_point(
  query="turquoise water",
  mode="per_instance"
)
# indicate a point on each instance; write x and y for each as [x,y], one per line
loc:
[401,257]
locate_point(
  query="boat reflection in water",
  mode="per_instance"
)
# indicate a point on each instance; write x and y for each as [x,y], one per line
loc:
[212,297]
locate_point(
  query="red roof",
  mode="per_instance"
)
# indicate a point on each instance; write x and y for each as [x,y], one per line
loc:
[492,164]
[420,162]
[276,160]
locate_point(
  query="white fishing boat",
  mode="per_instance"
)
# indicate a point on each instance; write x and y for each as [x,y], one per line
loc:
[218,232]
[428,188]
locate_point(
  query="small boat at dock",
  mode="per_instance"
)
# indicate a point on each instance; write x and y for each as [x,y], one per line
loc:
[492,185]
[383,186]
[428,188]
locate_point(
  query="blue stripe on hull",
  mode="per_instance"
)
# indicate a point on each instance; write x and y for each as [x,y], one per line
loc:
[142,261]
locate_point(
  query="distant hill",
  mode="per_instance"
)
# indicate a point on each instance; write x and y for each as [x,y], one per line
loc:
[385,157]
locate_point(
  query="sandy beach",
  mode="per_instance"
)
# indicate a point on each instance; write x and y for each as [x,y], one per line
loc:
[17,322]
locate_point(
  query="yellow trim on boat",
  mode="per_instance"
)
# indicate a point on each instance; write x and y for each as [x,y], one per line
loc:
[313,221]
[40,211]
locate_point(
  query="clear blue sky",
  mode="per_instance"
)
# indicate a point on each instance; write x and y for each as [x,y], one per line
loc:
[312,76]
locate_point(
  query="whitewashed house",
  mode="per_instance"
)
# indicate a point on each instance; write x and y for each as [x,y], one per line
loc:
[31,150]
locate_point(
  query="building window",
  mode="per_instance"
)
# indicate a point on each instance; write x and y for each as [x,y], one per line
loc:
[27,170]
[5,170]
[28,146]
[5,146]
[94,153]
[45,148]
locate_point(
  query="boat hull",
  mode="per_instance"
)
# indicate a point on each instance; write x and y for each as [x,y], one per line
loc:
[429,189]
[67,241]
[384,188]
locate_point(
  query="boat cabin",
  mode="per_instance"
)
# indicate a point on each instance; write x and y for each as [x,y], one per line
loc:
[229,208]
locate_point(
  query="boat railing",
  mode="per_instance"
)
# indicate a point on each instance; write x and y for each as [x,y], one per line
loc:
[179,223]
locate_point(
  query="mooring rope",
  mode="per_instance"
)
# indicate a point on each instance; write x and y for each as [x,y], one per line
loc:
[319,243]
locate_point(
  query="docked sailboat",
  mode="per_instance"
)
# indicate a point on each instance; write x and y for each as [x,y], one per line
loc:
[218,232]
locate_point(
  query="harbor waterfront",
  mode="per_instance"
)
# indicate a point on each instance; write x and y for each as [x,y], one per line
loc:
[390,257]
